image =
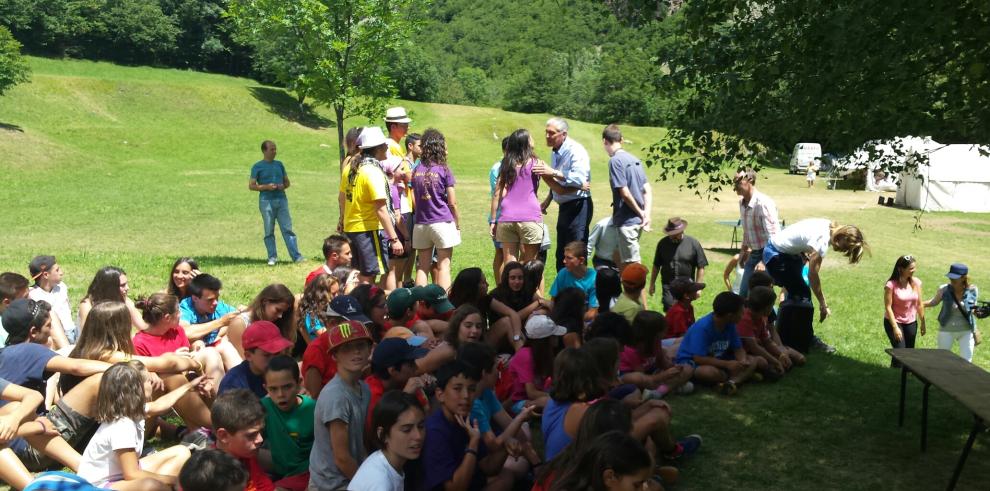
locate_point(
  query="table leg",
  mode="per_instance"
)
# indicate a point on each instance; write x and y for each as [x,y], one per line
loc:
[977,428]
[900,417]
[924,418]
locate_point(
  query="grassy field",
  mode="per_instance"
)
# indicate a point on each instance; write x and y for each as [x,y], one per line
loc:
[136,166]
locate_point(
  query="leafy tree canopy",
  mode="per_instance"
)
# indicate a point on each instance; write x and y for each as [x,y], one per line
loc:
[13,67]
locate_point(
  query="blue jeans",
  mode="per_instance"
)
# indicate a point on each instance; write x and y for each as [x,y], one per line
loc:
[273,210]
[573,223]
[755,257]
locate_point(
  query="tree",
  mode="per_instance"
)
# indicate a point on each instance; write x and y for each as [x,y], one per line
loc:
[338,48]
[751,78]
[13,68]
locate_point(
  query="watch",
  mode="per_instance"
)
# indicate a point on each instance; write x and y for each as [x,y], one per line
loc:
[517,338]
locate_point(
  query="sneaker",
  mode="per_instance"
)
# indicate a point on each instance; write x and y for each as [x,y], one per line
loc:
[686,389]
[271,261]
[650,394]
[820,345]
[300,259]
[198,439]
[727,388]
[686,447]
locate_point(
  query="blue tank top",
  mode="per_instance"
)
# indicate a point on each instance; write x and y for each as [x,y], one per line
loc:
[555,439]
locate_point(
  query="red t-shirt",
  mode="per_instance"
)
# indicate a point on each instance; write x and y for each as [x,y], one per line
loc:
[377,388]
[679,319]
[753,326]
[316,272]
[169,342]
[317,355]
[258,480]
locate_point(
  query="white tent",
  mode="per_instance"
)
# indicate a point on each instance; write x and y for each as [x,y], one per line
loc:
[956,178]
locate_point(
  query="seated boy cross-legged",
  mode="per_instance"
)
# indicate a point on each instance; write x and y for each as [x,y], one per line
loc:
[713,347]
[755,332]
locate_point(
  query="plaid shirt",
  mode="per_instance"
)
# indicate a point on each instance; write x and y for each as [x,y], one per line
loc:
[759,220]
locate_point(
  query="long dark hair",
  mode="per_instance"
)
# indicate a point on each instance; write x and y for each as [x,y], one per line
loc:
[275,293]
[602,417]
[607,287]
[454,325]
[386,413]
[504,294]
[614,450]
[901,264]
[532,276]
[434,148]
[517,152]
[543,352]
[575,376]
[465,290]
[569,309]
[105,285]
[174,290]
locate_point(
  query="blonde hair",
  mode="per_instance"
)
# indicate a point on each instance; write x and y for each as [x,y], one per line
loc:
[107,330]
[121,393]
[848,240]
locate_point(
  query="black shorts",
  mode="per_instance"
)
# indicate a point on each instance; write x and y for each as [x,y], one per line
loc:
[370,254]
[405,235]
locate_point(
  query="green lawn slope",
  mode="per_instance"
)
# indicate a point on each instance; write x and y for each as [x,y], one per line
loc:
[137,166]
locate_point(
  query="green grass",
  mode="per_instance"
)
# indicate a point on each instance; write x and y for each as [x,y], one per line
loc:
[137,166]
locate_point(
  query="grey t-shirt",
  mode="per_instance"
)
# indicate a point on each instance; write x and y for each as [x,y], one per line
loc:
[626,171]
[679,259]
[337,402]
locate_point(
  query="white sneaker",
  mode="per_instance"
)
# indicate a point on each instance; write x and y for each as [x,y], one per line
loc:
[271,262]
[650,394]
[687,388]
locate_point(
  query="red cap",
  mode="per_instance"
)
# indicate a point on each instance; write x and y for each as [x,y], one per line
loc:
[345,332]
[264,335]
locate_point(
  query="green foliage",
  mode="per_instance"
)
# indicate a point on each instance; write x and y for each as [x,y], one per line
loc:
[331,50]
[13,68]
[778,72]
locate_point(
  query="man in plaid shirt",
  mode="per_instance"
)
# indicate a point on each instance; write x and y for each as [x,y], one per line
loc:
[758,215]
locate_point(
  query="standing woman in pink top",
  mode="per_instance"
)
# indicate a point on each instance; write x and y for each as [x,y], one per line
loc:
[903,307]
[517,221]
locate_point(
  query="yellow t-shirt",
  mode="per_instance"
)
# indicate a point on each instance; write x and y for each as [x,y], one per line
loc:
[397,158]
[370,185]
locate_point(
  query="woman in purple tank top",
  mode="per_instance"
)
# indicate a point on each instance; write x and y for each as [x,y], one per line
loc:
[517,221]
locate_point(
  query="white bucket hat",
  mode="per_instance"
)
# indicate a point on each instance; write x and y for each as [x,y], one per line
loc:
[397,115]
[540,326]
[371,137]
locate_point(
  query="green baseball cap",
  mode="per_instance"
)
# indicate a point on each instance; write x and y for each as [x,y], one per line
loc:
[435,296]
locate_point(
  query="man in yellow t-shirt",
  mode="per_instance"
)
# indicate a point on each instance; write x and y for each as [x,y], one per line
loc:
[399,174]
[368,217]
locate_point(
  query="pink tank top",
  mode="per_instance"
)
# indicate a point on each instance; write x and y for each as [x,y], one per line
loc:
[520,203]
[905,301]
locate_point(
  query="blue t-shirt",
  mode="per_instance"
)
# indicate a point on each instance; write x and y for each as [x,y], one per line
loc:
[493,181]
[269,173]
[485,407]
[565,280]
[241,377]
[188,313]
[24,364]
[626,171]
[443,452]
[702,339]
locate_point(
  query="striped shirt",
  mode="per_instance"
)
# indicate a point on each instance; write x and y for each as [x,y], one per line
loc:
[759,220]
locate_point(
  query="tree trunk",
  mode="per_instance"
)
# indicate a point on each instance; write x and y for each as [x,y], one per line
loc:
[338,109]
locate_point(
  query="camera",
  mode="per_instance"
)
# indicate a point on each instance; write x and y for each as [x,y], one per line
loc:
[982,309]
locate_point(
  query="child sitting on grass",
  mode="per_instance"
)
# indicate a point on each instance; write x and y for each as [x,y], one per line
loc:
[288,424]
[212,470]
[645,364]
[680,316]
[714,349]
[262,340]
[113,456]
[755,333]
[454,455]
[238,424]
[577,275]
[531,368]
[762,278]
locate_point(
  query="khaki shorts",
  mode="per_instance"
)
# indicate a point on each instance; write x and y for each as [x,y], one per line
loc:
[626,241]
[443,235]
[519,233]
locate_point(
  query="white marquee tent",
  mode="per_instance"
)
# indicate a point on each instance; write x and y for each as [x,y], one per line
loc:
[956,178]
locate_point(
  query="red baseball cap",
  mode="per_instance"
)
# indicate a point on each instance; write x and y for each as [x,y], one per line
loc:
[264,335]
[346,332]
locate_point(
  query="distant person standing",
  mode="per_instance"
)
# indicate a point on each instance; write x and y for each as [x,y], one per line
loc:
[368,220]
[437,221]
[632,198]
[569,178]
[399,174]
[759,220]
[268,177]
[677,256]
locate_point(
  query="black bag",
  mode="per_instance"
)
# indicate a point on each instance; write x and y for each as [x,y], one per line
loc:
[796,325]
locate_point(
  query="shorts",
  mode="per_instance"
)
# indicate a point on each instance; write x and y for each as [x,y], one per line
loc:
[528,233]
[405,235]
[370,254]
[74,428]
[298,482]
[442,235]
[626,241]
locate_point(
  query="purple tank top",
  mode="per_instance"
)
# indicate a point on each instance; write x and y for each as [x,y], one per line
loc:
[520,203]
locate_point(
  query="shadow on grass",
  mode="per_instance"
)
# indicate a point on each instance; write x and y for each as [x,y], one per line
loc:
[724,250]
[11,127]
[279,102]
[209,262]
[833,421]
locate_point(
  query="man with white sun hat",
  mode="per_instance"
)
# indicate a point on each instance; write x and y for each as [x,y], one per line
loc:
[399,175]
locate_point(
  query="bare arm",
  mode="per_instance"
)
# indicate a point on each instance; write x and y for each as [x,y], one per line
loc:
[340,211]
[627,197]
[888,301]
[313,382]
[647,206]
[729,267]
[199,331]
[712,361]
[699,275]
[340,444]
[452,204]
[164,403]
[131,468]
[23,404]
[285,183]
[254,186]
[75,366]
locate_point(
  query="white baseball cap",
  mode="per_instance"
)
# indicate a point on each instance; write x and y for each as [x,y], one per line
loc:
[541,326]
[371,137]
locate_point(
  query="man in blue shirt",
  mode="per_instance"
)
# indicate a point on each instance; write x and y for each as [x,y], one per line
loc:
[632,198]
[569,178]
[268,177]
[713,348]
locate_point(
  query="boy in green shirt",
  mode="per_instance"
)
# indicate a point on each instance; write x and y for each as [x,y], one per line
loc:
[288,424]
[630,301]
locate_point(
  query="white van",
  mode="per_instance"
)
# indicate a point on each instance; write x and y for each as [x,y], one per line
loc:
[804,154]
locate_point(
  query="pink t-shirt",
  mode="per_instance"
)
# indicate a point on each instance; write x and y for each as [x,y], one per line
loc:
[520,203]
[630,360]
[521,368]
[905,301]
[753,326]
[147,345]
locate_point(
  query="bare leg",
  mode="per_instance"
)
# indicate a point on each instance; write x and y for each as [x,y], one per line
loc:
[443,267]
[212,365]
[231,358]
[166,462]
[497,264]
[510,252]
[709,375]
[145,484]
[423,260]
[12,471]
[191,406]
[529,252]
[498,336]
[652,420]
[56,448]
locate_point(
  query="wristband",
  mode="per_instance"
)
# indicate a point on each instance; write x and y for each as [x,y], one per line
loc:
[471,451]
